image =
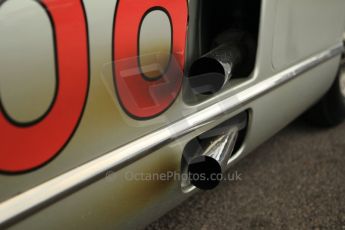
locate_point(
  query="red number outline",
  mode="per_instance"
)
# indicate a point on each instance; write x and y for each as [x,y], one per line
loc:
[29,146]
[135,93]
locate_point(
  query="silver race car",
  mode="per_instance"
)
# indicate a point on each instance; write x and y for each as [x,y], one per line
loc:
[113,112]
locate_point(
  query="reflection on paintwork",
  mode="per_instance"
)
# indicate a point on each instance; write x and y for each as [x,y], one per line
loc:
[342,81]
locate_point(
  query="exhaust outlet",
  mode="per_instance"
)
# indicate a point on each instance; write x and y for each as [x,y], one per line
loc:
[206,171]
[207,156]
[211,72]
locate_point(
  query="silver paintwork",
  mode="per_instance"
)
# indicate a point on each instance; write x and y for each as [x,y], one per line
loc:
[342,74]
[342,81]
[297,29]
[69,182]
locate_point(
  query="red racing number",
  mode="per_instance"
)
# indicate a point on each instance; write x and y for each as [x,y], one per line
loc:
[24,147]
[142,97]
[142,94]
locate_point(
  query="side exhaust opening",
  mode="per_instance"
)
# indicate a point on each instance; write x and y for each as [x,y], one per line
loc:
[206,76]
[207,166]
[209,74]
[205,158]
[220,30]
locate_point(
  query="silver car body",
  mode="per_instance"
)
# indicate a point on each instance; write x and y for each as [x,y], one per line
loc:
[299,49]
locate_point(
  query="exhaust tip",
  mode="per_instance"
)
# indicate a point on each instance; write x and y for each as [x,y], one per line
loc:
[205,172]
[206,76]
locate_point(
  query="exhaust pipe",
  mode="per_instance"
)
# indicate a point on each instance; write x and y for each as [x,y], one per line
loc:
[211,72]
[234,56]
[212,152]
[206,171]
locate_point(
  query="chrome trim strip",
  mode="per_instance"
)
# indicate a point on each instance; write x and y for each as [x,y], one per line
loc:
[65,184]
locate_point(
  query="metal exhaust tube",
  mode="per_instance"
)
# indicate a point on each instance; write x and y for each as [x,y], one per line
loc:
[206,157]
[211,72]
[207,170]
